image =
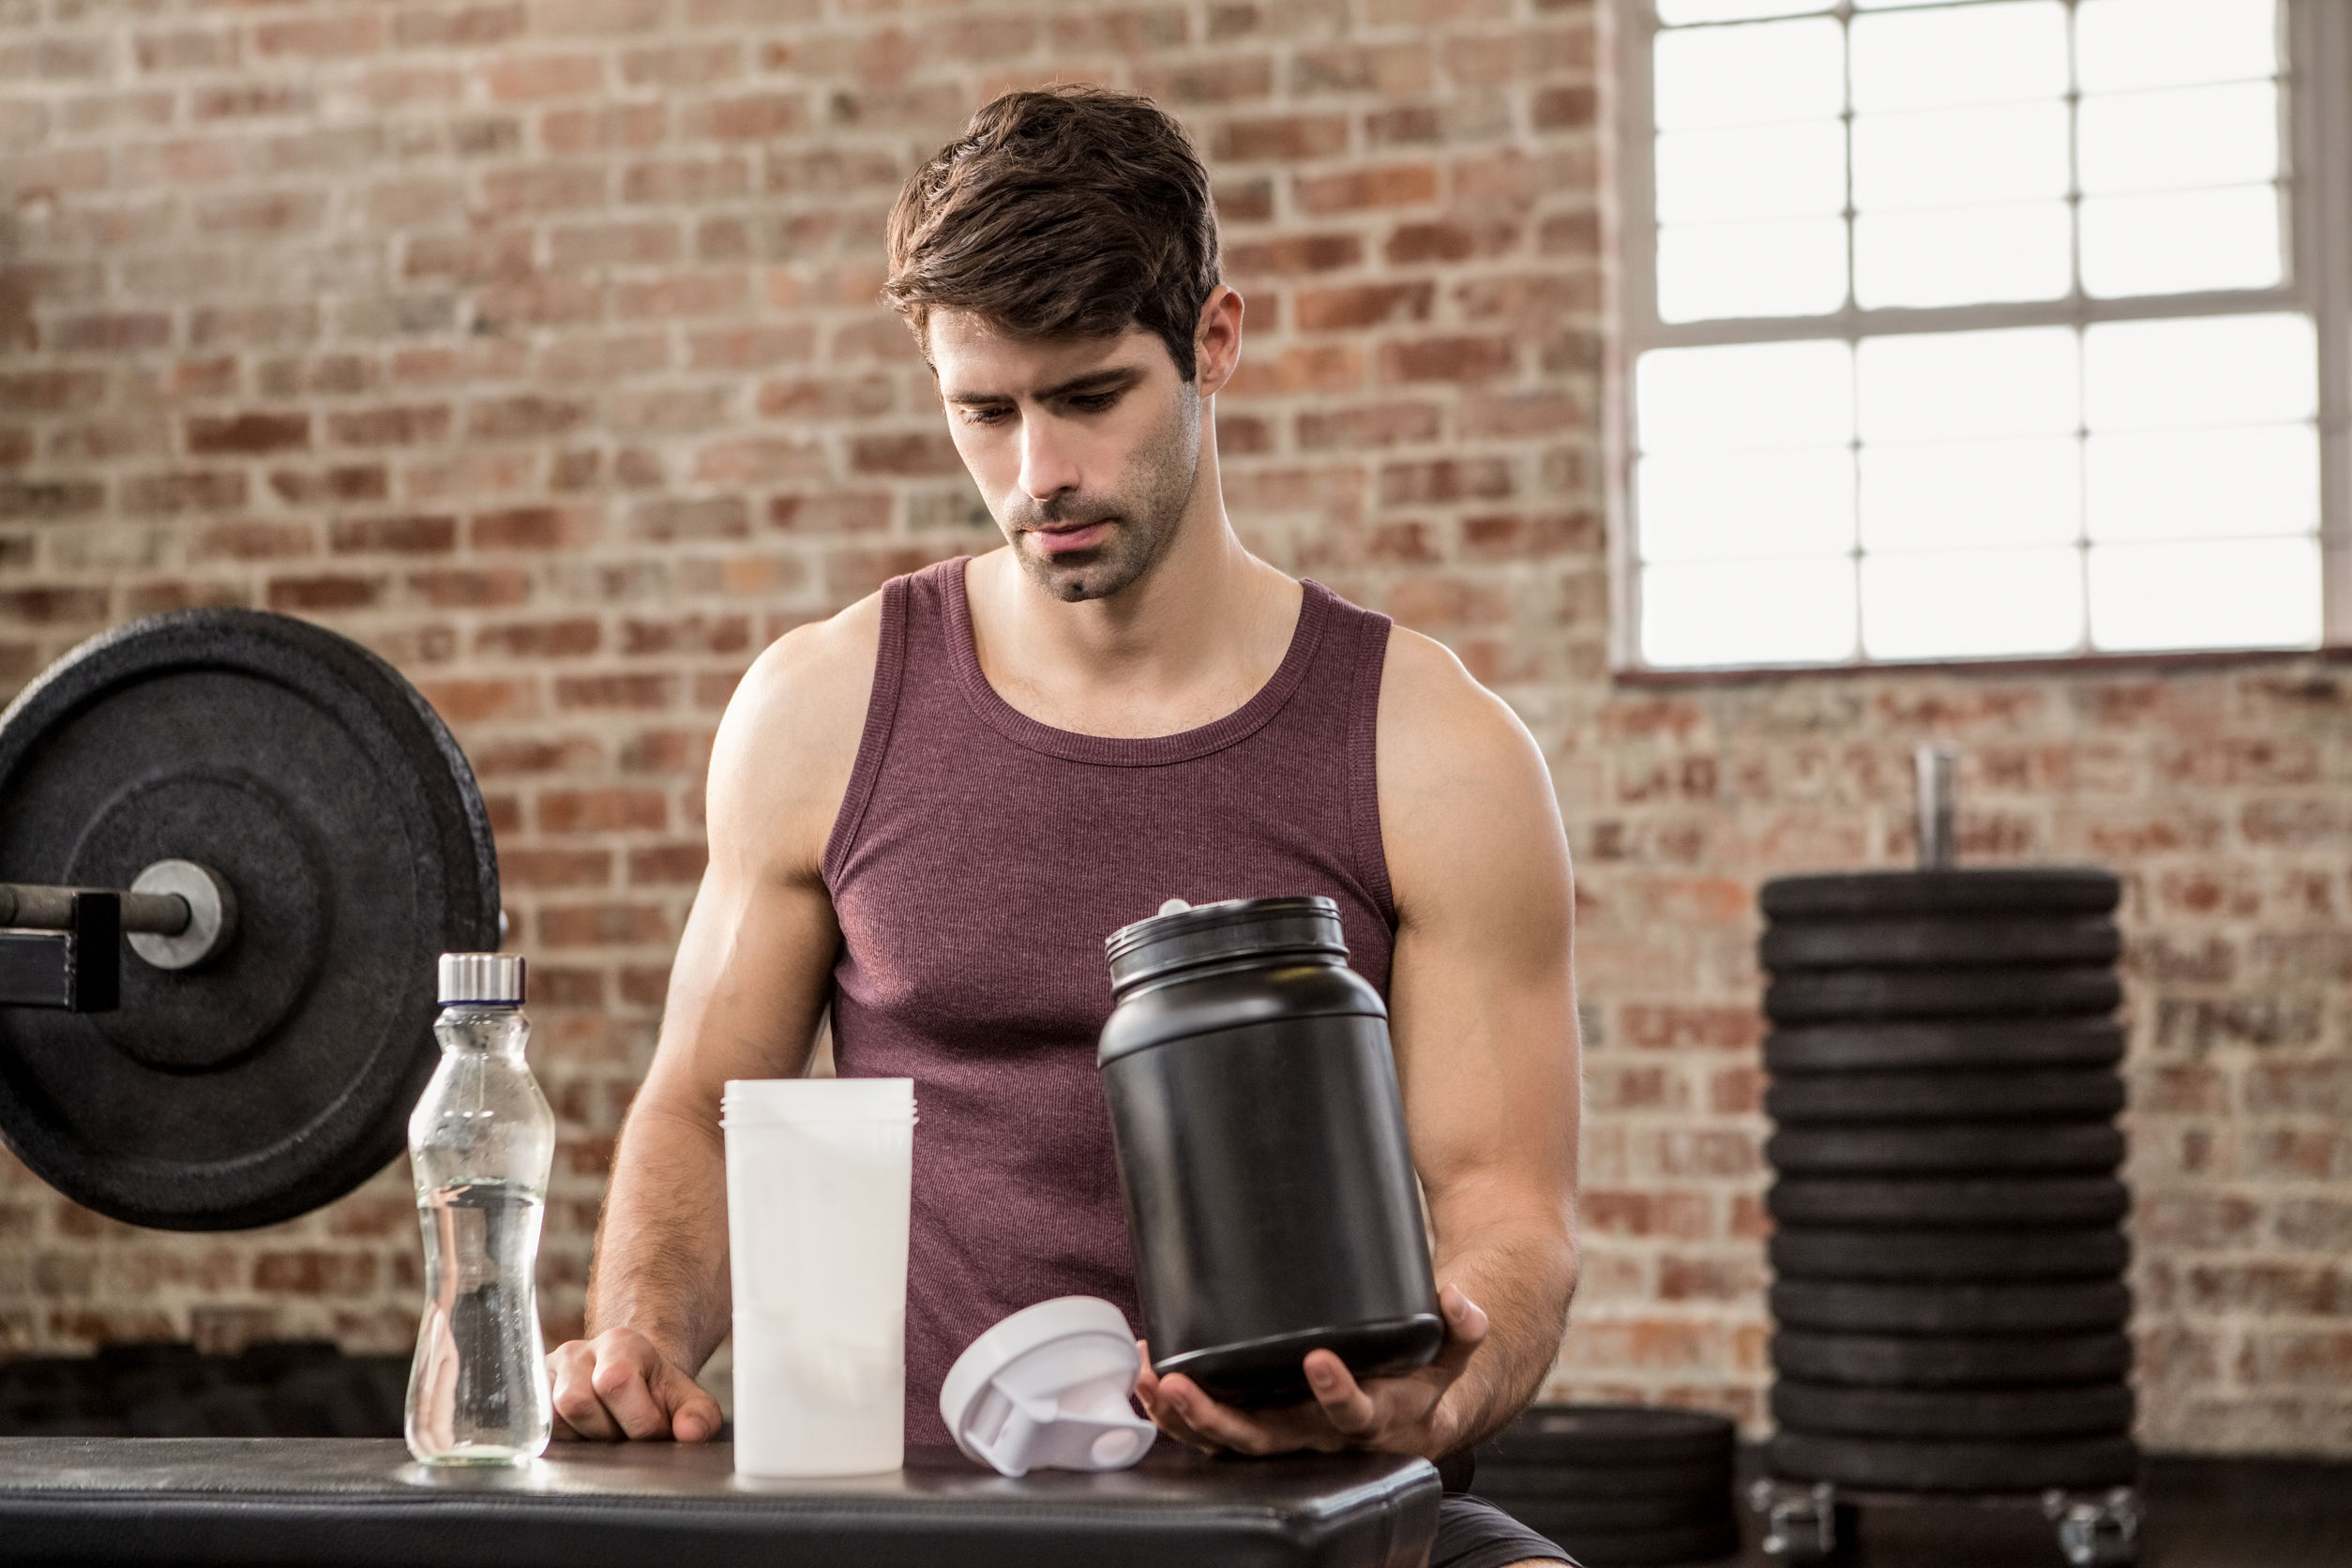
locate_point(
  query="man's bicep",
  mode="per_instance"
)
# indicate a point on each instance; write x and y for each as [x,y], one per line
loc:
[1483,994]
[753,967]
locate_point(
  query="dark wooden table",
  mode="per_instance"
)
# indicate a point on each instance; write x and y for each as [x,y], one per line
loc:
[316,1502]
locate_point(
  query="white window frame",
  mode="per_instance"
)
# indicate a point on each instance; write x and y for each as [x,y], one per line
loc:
[2316,153]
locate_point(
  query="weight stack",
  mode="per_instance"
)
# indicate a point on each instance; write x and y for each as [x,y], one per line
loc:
[1616,1485]
[1948,1304]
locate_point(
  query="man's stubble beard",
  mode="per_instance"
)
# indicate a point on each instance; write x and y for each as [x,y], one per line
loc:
[1149,507]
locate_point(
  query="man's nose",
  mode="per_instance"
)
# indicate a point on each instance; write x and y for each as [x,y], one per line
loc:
[1048,468]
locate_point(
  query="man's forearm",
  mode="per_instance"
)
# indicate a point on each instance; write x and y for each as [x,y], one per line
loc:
[662,1244]
[1522,1274]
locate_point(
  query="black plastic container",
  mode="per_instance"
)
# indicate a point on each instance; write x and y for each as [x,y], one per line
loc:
[1262,1145]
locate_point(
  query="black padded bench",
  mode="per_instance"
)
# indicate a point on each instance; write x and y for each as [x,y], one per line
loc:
[329,1502]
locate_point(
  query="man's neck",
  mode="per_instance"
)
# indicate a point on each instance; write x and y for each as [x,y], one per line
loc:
[1189,641]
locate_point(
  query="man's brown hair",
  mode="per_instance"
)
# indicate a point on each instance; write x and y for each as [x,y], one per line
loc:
[1070,212]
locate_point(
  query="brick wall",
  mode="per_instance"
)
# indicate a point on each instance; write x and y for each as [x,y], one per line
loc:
[533,343]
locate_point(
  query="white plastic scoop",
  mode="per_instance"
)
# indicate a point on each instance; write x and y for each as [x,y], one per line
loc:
[1046,1389]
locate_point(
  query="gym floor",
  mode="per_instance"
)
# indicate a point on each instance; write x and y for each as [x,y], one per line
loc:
[2196,1514]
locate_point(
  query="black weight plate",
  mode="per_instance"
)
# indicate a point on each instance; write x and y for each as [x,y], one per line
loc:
[1950,1360]
[1615,1515]
[2028,1202]
[2046,890]
[2080,1095]
[1609,1434]
[1890,1464]
[1809,995]
[1709,1542]
[1944,1046]
[1847,1307]
[2094,1409]
[1908,941]
[2092,1253]
[325,791]
[1682,1478]
[1938,1149]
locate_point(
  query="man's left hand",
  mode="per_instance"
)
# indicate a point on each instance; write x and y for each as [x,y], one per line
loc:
[1388,1415]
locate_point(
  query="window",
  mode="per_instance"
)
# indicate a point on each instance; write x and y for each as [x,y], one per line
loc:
[1983,329]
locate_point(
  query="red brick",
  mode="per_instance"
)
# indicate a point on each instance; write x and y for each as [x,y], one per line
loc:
[524,78]
[1287,138]
[248,434]
[471,701]
[565,867]
[323,592]
[604,926]
[406,535]
[571,638]
[1287,255]
[531,528]
[928,452]
[667,863]
[635,691]
[1399,185]
[1341,307]
[1458,358]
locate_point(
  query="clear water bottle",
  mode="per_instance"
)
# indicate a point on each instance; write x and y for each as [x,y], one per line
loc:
[480,1141]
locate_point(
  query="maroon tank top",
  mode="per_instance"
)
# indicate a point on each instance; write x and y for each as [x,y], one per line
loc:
[980,859]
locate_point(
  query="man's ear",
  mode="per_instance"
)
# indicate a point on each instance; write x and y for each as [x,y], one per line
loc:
[1216,341]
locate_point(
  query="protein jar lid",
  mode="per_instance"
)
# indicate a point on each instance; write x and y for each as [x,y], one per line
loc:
[1046,1389]
[1213,933]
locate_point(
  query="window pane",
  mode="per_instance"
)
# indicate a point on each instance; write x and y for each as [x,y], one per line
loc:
[2214,371]
[1717,270]
[1971,494]
[1972,604]
[2180,141]
[2182,242]
[1958,385]
[1748,612]
[2241,594]
[1963,255]
[1674,13]
[1974,54]
[1783,171]
[1711,506]
[1956,156]
[1748,395]
[2203,484]
[2121,44]
[1730,76]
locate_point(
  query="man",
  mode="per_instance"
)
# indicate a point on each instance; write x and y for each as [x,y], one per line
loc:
[927,812]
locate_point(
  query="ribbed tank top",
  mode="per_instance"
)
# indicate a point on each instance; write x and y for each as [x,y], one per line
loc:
[979,860]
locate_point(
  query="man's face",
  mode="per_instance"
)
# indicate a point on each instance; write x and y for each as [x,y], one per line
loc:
[1085,449]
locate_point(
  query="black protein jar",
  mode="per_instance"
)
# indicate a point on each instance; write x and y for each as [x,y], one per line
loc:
[1262,1145]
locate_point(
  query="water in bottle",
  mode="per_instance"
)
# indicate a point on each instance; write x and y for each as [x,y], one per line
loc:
[480,1141]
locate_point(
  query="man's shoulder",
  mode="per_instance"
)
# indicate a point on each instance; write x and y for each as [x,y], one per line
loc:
[788,743]
[1435,713]
[1466,802]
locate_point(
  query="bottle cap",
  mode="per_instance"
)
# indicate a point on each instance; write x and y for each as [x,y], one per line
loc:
[491,977]
[1046,1389]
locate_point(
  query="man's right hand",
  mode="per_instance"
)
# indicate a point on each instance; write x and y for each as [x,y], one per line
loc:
[620,1385]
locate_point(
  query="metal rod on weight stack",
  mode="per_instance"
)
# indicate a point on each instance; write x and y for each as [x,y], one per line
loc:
[1937,766]
[26,906]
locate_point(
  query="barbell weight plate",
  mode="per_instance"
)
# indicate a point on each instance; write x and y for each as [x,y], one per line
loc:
[1950,1360]
[1849,1307]
[327,792]
[1944,1046]
[1866,1203]
[1674,1547]
[2043,890]
[1894,1465]
[1680,1478]
[1603,1434]
[2092,1253]
[1820,995]
[2093,1409]
[1837,1099]
[1938,1148]
[1908,941]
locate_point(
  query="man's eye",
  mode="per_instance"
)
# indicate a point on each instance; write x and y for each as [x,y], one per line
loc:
[985,415]
[1094,403]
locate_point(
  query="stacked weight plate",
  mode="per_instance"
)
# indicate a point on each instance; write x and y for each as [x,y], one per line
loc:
[1948,1304]
[1616,1485]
